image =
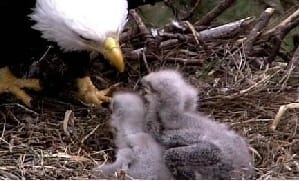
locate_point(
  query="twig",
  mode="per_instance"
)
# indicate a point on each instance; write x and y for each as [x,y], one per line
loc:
[20,106]
[246,91]
[8,175]
[255,32]
[2,139]
[254,151]
[295,59]
[68,117]
[168,43]
[280,113]
[185,61]
[145,60]
[65,155]
[214,13]
[194,32]
[291,66]
[197,37]
[35,65]
[89,134]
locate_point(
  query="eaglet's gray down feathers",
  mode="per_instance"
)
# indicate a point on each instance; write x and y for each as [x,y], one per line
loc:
[138,153]
[196,146]
[189,144]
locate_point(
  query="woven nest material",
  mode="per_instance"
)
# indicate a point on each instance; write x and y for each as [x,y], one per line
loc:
[240,83]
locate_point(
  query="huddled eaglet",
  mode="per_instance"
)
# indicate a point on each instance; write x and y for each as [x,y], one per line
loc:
[161,135]
[138,152]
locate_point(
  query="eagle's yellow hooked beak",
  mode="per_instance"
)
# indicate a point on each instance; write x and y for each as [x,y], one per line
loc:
[113,53]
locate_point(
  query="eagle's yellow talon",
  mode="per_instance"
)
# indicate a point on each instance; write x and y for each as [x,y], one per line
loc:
[110,90]
[11,84]
[88,93]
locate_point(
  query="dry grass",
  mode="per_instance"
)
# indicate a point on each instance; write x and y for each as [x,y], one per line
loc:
[246,94]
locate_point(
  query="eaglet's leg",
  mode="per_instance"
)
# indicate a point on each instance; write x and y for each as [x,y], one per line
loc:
[11,84]
[88,93]
[124,158]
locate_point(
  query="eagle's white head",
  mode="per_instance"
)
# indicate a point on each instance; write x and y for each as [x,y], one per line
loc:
[75,25]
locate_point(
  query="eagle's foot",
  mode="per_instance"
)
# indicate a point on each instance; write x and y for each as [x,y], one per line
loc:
[89,94]
[11,84]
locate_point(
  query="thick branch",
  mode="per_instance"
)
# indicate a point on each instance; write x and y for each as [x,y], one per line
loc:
[225,31]
[214,13]
[277,34]
[192,11]
[149,38]
[184,15]
[143,29]
[255,32]
[283,28]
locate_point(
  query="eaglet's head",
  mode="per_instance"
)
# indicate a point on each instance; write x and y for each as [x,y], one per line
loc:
[171,89]
[127,110]
[83,25]
[162,81]
[127,104]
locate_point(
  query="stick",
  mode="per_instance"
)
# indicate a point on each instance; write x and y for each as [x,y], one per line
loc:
[143,29]
[280,113]
[255,32]
[192,11]
[225,31]
[214,13]
[283,28]
[291,66]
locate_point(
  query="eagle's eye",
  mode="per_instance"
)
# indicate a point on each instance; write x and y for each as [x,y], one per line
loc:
[84,38]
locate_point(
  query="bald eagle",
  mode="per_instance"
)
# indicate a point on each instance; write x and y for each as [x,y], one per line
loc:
[77,27]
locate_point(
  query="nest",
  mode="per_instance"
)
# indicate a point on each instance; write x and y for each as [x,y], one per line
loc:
[242,74]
